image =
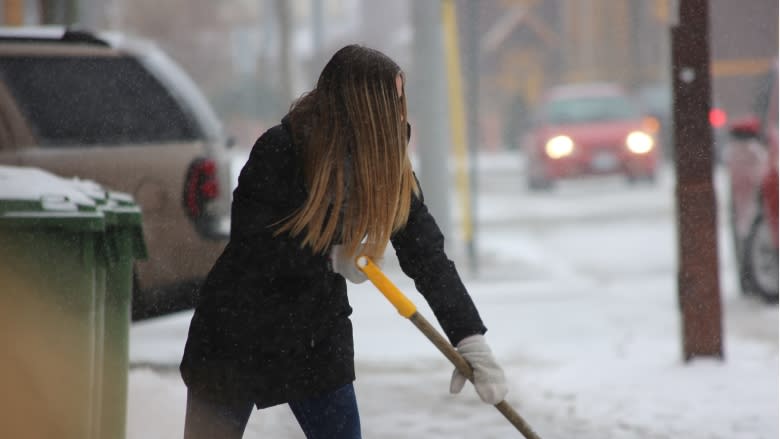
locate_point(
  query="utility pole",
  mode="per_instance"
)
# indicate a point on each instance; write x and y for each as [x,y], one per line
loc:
[698,283]
[318,38]
[428,101]
[318,25]
[91,14]
[283,14]
[458,124]
[72,12]
[53,12]
[472,98]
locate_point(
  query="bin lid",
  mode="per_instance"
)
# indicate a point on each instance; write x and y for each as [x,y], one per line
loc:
[119,208]
[121,212]
[30,197]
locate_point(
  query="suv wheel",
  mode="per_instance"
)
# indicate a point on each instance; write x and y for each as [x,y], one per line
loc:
[761,260]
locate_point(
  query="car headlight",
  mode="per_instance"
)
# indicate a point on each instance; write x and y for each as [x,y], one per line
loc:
[639,142]
[559,146]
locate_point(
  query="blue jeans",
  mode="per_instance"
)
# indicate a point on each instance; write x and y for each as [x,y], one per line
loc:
[333,415]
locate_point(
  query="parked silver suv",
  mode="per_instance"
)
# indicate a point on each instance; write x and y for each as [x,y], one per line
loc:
[118,111]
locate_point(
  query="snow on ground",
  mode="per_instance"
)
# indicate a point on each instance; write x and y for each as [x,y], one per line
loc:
[578,290]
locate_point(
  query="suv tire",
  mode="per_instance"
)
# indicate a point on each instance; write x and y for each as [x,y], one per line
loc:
[760,261]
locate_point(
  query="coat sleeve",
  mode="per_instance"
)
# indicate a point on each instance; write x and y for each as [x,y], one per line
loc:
[419,247]
[270,188]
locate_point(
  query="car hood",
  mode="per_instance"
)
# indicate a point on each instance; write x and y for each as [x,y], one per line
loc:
[596,133]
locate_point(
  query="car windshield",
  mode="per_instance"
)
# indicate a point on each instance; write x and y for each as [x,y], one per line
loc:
[656,99]
[590,109]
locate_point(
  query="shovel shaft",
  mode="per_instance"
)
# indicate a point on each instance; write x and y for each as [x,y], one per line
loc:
[463,367]
[407,309]
[443,345]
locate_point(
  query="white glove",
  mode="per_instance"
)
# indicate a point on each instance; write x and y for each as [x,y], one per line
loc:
[346,265]
[489,378]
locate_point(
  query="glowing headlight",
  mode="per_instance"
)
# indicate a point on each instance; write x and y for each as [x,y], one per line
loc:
[639,142]
[559,146]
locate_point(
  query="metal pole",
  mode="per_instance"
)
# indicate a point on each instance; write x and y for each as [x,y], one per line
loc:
[118,11]
[285,47]
[318,25]
[72,12]
[429,107]
[53,12]
[698,283]
[318,37]
[472,99]
[92,15]
[454,75]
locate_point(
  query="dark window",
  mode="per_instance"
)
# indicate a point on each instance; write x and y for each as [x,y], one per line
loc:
[94,101]
[591,109]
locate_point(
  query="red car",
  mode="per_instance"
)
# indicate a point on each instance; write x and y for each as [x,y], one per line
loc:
[590,129]
[751,161]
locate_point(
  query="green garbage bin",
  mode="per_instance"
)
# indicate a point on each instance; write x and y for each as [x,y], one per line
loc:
[124,243]
[66,254]
[51,242]
[124,233]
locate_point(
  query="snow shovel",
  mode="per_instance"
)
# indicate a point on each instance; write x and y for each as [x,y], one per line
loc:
[408,310]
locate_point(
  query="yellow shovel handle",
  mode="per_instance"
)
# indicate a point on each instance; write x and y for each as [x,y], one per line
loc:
[404,306]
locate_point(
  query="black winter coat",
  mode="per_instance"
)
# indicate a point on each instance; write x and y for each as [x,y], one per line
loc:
[272,321]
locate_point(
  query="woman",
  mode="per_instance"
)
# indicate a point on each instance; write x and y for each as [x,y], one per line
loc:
[332,181]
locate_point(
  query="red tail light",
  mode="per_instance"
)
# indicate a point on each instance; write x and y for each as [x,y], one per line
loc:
[200,186]
[718,117]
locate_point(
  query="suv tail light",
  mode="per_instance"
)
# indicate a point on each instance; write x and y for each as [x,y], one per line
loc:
[200,186]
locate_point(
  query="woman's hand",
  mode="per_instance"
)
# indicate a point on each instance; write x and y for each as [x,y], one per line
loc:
[346,265]
[489,378]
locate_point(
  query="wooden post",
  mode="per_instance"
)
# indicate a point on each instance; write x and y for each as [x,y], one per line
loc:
[698,282]
[13,12]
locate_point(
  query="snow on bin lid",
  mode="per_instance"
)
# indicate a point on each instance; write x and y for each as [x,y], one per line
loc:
[88,187]
[33,184]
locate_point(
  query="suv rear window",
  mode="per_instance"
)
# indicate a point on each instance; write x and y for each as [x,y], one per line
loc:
[94,101]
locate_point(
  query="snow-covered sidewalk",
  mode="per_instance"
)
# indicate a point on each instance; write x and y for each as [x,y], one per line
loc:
[584,362]
[581,306]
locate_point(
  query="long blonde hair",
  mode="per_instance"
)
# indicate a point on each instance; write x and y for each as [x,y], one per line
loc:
[353,131]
